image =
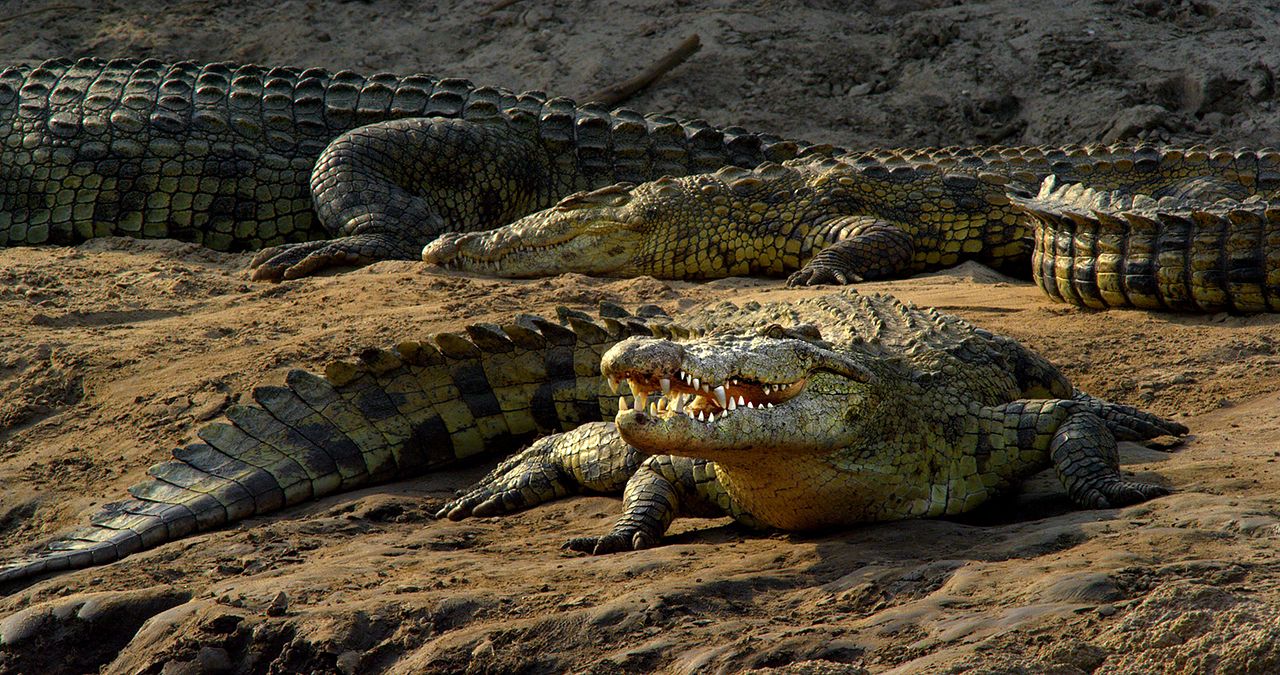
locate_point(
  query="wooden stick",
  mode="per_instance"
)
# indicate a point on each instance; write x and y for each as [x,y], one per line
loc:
[612,96]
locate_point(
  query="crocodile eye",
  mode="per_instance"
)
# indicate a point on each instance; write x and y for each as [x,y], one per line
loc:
[774,330]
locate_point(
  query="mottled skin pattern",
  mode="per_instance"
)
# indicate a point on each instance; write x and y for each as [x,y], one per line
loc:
[878,214]
[242,157]
[1099,249]
[825,411]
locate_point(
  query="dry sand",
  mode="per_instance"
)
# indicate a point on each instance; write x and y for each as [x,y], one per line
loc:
[112,352]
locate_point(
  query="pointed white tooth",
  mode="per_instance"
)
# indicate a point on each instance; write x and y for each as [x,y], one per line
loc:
[711,417]
[741,400]
[666,385]
[613,384]
[653,408]
[767,390]
[695,383]
[768,405]
[733,404]
[706,388]
[720,396]
[622,403]
[701,416]
[751,405]
[641,399]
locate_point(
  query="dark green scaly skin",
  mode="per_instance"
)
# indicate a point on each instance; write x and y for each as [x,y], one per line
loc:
[241,157]
[890,213]
[836,409]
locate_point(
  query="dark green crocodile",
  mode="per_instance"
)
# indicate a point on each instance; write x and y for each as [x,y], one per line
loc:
[241,157]
[831,410]
[886,214]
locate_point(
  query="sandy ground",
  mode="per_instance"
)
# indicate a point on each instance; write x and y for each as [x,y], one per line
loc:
[112,352]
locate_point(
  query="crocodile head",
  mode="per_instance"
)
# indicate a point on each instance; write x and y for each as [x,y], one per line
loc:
[587,232]
[740,399]
[667,228]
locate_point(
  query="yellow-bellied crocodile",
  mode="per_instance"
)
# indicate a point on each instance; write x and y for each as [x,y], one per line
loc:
[831,410]
[890,213]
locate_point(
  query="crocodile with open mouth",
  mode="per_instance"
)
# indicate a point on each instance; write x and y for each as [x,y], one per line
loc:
[830,410]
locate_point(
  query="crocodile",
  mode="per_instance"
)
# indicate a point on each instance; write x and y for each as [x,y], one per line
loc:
[831,410]
[890,213]
[315,169]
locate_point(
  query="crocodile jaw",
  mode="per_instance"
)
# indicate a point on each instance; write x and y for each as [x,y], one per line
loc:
[753,401]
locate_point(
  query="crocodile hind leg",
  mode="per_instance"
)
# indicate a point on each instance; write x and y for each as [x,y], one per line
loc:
[877,252]
[1079,437]
[385,190]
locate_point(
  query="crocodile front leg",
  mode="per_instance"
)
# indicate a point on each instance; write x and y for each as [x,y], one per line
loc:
[592,457]
[663,488]
[880,251]
[385,190]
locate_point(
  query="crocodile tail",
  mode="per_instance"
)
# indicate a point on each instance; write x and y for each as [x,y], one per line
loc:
[388,414]
[1100,249]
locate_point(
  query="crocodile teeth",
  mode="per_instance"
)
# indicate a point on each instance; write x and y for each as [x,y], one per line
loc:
[641,399]
[751,405]
[666,385]
[679,405]
[696,383]
[622,403]
[702,416]
[741,400]
[720,396]
[706,388]
[768,405]
[733,404]
[711,417]
[653,408]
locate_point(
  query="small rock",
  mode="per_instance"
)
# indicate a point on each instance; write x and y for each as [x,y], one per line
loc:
[1107,610]
[348,662]
[279,605]
[1132,121]
[214,660]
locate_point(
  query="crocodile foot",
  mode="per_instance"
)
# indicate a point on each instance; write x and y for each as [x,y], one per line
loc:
[621,539]
[294,261]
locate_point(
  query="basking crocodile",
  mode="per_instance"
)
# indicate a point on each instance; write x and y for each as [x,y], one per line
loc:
[885,214]
[831,410]
[241,157]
